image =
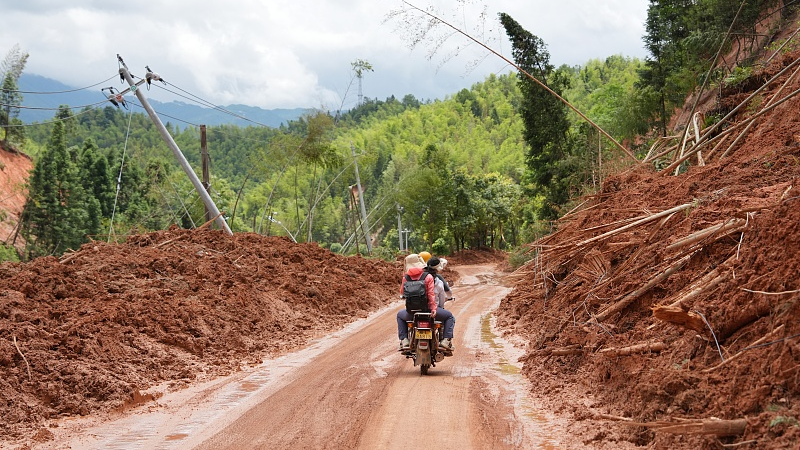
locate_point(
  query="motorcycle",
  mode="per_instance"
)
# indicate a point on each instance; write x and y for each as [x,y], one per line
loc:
[424,334]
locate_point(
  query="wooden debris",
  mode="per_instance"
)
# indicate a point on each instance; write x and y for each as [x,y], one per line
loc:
[677,316]
[628,299]
[717,427]
[635,224]
[634,349]
[568,350]
[721,229]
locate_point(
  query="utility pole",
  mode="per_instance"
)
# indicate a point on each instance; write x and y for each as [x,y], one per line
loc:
[364,224]
[176,151]
[400,227]
[204,162]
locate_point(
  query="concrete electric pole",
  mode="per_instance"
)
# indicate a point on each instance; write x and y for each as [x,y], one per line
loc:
[176,151]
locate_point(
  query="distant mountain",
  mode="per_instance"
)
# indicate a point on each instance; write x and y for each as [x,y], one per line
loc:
[51,93]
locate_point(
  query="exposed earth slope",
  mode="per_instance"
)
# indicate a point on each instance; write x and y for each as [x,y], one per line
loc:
[635,311]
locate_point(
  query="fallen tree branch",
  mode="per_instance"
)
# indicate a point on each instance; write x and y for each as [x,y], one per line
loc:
[635,224]
[772,293]
[206,225]
[14,338]
[646,347]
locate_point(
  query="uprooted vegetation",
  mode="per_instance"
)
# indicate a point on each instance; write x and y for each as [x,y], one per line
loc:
[669,301]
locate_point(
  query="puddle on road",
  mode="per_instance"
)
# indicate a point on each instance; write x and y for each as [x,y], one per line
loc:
[539,426]
[176,437]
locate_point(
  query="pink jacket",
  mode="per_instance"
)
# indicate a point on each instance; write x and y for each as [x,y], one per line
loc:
[415,273]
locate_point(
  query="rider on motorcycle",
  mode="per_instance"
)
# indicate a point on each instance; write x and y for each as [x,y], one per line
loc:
[414,266]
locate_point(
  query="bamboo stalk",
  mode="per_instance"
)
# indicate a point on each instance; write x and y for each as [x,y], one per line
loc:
[716,147]
[629,261]
[635,224]
[645,347]
[740,352]
[716,427]
[746,101]
[628,299]
[734,127]
[722,229]
[568,350]
[751,124]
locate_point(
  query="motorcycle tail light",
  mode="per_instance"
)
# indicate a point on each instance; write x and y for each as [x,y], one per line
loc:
[424,324]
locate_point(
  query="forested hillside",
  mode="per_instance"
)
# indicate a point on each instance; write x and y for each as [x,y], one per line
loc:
[454,167]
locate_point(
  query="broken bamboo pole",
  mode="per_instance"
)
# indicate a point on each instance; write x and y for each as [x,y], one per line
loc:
[746,101]
[744,132]
[716,427]
[646,347]
[635,224]
[709,281]
[628,299]
[733,127]
[720,229]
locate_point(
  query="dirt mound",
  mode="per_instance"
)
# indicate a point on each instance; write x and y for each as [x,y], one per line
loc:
[629,313]
[482,255]
[93,331]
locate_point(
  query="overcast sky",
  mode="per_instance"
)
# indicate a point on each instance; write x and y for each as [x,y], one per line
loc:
[298,53]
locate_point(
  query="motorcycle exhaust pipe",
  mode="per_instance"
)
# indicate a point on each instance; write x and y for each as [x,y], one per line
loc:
[439,357]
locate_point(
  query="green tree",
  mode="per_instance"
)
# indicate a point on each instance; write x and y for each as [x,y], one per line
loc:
[56,215]
[544,116]
[10,97]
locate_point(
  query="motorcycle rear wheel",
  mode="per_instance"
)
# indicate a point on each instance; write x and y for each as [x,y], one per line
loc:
[423,369]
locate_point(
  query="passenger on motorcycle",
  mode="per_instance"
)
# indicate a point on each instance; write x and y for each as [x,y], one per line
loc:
[446,317]
[427,256]
[414,268]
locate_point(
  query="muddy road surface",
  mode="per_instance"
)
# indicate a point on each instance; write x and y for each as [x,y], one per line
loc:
[352,389]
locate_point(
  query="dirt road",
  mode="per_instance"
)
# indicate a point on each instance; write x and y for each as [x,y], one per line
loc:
[352,389]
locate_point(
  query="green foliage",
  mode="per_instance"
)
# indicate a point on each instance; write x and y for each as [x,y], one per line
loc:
[55,218]
[737,75]
[519,256]
[549,159]
[10,98]
[8,253]
[683,36]
[779,420]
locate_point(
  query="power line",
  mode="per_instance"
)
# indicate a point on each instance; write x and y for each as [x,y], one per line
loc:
[49,122]
[200,100]
[62,92]
[43,108]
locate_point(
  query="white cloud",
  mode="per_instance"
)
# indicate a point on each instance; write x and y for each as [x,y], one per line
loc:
[297,53]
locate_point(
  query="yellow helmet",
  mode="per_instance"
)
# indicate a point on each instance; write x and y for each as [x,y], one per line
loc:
[425,256]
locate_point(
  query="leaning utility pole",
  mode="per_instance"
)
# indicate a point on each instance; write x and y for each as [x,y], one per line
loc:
[364,224]
[198,186]
[205,163]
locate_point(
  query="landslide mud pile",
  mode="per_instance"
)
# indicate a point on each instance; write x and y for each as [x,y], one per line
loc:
[92,331]
[631,307]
